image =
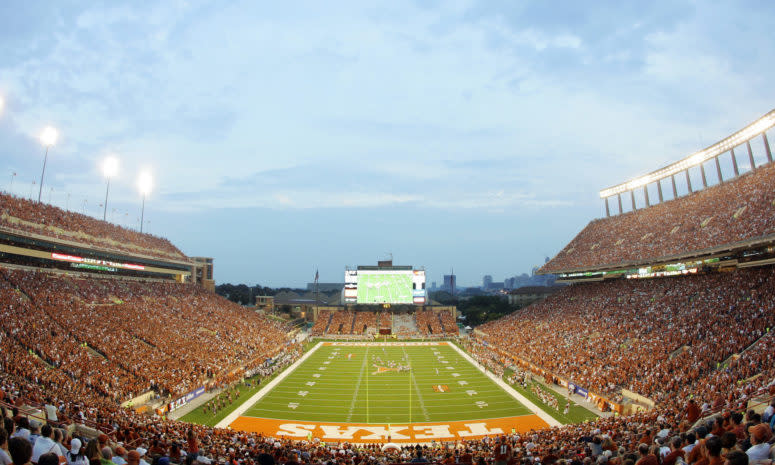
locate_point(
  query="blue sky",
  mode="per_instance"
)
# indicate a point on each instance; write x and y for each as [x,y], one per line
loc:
[285,136]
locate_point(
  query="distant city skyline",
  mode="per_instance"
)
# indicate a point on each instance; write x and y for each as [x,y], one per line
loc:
[467,135]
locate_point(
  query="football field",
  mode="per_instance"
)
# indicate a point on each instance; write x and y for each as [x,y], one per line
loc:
[345,384]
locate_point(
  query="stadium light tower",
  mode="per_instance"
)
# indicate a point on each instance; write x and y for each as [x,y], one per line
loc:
[144,183]
[48,138]
[109,169]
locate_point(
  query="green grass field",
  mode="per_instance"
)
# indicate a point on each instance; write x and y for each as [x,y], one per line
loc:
[344,384]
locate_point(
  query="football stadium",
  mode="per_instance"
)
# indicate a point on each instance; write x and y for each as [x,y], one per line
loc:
[657,349]
[665,326]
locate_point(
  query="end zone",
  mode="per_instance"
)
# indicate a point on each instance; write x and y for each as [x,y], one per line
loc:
[402,433]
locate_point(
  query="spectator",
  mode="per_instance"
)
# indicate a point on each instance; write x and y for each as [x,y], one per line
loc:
[48,458]
[736,458]
[74,455]
[44,444]
[761,434]
[5,459]
[20,450]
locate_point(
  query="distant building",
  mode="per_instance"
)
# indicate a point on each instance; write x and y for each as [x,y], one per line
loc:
[487,282]
[433,286]
[203,272]
[449,283]
[326,287]
[265,303]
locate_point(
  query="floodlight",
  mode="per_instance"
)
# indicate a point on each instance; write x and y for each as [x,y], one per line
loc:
[49,136]
[110,167]
[145,183]
[749,132]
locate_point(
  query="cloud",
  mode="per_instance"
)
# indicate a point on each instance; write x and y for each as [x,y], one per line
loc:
[455,108]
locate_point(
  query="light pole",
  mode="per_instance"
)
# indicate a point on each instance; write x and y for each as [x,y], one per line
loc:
[48,138]
[109,169]
[144,183]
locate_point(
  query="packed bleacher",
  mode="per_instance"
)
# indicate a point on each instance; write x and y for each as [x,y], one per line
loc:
[734,211]
[18,214]
[730,312]
[448,324]
[421,323]
[342,322]
[431,323]
[654,337]
[428,322]
[319,328]
[121,337]
[365,323]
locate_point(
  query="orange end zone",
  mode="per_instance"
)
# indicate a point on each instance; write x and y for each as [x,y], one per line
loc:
[385,344]
[414,432]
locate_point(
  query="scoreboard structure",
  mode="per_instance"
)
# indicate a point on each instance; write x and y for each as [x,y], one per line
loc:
[384,284]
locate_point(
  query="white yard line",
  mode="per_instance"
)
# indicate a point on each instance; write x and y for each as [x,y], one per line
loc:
[416,387]
[358,384]
[522,399]
[271,384]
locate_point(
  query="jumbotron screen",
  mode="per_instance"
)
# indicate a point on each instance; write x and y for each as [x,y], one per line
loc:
[385,287]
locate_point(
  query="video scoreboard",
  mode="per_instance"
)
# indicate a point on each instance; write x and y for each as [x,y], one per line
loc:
[384,285]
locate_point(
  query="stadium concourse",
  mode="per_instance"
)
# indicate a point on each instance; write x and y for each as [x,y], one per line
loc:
[693,353]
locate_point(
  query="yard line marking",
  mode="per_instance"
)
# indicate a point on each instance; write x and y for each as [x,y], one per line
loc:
[229,419]
[358,385]
[417,388]
[510,390]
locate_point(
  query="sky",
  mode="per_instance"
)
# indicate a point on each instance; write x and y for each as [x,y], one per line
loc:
[285,137]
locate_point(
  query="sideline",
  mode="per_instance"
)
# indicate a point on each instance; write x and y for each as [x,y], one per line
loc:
[550,420]
[229,419]
[581,401]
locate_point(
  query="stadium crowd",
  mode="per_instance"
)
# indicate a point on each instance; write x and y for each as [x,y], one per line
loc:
[367,323]
[321,324]
[654,337]
[99,332]
[342,322]
[742,305]
[47,220]
[428,322]
[734,211]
